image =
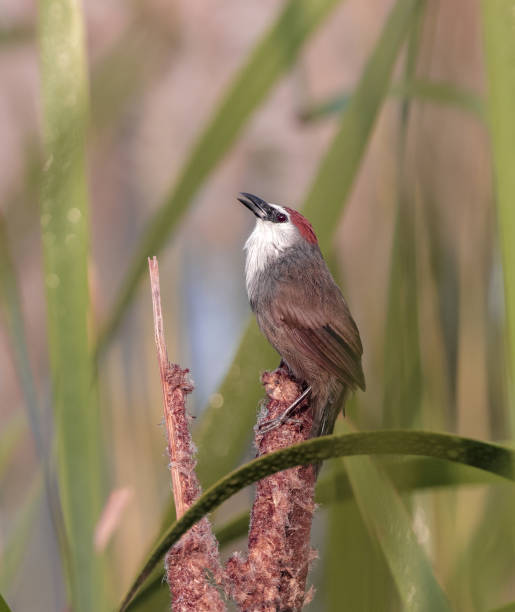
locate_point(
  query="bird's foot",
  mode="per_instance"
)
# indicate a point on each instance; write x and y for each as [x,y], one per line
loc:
[274,423]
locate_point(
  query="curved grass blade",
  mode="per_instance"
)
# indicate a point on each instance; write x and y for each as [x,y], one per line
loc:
[411,475]
[389,525]
[484,455]
[65,239]
[498,24]
[271,57]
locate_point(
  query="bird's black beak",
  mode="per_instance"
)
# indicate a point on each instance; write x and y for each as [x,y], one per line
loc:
[259,207]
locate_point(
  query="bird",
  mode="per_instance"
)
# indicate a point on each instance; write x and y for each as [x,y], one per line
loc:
[301,311]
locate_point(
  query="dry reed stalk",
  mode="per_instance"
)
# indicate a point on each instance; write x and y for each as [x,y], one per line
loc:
[192,565]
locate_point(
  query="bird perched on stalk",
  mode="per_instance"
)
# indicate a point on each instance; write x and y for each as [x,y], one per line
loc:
[301,311]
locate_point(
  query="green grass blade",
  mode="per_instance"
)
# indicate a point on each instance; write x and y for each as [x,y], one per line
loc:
[498,26]
[272,56]
[389,524]
[65,238]
[484,455]
[338,170]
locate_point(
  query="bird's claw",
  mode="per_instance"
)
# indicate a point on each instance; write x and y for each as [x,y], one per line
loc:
[272,424]
[267,426]
[284,417]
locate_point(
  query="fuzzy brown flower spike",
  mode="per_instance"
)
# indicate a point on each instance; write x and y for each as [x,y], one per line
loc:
[273,575]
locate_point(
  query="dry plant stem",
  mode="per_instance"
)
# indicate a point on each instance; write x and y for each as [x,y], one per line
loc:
[193,564]
[273,576]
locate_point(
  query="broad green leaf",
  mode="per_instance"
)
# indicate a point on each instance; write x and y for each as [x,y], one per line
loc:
[65,238]
[484,455]
[499,28]
[271,57]
[389,524]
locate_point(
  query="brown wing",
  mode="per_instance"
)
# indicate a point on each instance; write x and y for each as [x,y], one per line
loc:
[319,319]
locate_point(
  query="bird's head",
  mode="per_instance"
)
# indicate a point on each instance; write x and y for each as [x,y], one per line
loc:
[277,227]
[278,230]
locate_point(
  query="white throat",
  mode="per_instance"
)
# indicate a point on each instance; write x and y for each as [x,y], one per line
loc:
[266,243]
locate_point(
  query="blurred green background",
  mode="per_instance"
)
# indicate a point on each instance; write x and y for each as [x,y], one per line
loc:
[128,129]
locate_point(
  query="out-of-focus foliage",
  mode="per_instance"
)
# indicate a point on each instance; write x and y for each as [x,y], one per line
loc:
[214,99]
[65,239]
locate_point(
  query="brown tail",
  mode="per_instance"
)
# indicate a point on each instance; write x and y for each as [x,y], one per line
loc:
[325,412]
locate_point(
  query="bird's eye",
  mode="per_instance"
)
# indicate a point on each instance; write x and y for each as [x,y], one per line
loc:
[281,218]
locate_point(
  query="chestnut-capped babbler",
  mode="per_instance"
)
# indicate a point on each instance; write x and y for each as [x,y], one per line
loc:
[301,311]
